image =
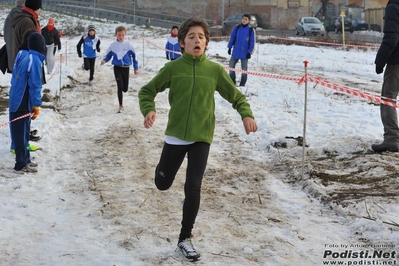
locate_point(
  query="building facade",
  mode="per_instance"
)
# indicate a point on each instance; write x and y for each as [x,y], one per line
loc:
[275,14]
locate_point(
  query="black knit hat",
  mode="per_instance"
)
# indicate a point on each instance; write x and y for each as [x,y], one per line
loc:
[33,4]
[36,42]
[246,15]
[175,27]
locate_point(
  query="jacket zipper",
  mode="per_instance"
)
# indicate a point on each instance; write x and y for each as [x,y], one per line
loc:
[191,100]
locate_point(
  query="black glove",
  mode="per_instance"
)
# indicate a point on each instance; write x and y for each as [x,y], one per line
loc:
[229,51]
[80,54]
[378,69]
[167,57]
[248,55]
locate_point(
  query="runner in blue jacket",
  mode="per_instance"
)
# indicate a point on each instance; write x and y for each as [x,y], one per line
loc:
[172,45]
[91,45]
[123,56]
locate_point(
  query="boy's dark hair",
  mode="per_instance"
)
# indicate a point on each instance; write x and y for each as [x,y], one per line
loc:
[191,22]
[246,15]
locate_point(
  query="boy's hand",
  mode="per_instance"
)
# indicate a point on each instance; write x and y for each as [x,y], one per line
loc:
[149,119]
[249,125]
[136,72]
[36,112]
[102,62]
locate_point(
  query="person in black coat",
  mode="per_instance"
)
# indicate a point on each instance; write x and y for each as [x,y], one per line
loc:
[388,57]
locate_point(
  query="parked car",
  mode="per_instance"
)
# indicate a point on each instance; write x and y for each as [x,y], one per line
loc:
[230,22]
[335,25]
[360,24]
[309,25]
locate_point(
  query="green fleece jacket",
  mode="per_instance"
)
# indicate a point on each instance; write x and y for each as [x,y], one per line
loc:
[192,83]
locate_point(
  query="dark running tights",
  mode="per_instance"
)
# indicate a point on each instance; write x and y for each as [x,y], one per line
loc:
[171,159]
[89,64]
[122,81]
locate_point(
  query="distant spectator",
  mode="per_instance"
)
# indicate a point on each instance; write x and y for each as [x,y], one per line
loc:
[242,41]
[172,45]
[52,38]
[8,38]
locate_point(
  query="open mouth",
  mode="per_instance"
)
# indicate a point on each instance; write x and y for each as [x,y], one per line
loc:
[197,48]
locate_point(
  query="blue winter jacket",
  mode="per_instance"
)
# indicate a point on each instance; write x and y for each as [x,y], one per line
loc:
[91,44]
[123,54]
[172,45]
[26,83]
[242,41]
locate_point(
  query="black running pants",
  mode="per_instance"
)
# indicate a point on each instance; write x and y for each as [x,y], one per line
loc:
[122,81]
[89,64]
[171,159]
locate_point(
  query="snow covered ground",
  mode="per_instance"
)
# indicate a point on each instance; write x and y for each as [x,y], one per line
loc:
[93,201]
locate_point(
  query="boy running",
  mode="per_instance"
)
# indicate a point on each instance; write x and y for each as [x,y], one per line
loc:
[123,56]
[192,81]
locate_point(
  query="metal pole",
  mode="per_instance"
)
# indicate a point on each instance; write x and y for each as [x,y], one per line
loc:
[134,11]
[142,35]
[60,85]
[304,119]
[222,10]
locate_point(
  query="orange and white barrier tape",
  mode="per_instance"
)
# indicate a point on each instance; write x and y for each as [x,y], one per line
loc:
[365,95]
[274,76]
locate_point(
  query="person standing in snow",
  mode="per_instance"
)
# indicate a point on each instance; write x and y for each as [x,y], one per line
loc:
[91,44]
[172,45]
[388,55]
[24,51]
[27,19]
[242,41]
[123,56]
[192,81]
[50,34]
[25,98]
[7,31]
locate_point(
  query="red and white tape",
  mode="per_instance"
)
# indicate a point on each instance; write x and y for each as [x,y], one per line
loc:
[345,89]
[19,117]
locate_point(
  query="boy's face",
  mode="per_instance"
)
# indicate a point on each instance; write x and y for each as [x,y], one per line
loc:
[92,32]
[195,42]
[175,31]
[244,20]
[120,36]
